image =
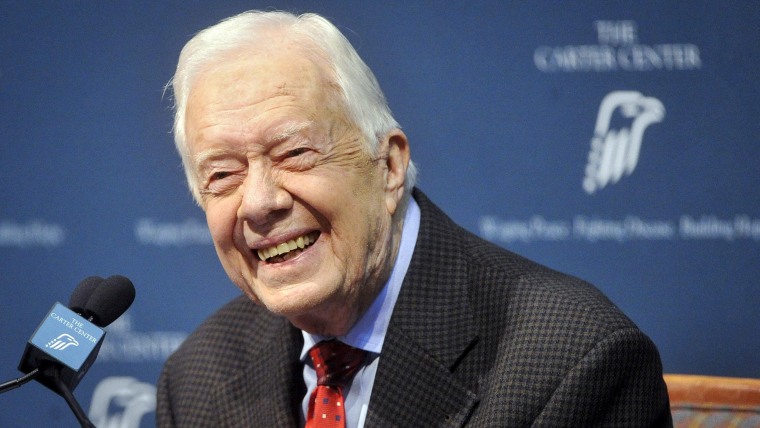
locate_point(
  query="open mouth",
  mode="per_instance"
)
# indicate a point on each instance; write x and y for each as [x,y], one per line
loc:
[287,250]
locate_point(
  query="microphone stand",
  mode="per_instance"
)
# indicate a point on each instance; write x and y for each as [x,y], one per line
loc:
[71,400]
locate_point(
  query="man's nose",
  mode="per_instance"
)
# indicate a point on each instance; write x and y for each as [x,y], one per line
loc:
[264,198]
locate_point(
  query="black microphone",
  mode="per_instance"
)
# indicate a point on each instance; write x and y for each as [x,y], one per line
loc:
[66,343]
[81,294]
[107,301]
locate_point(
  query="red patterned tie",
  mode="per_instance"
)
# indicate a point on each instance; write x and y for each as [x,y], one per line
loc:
[336,364]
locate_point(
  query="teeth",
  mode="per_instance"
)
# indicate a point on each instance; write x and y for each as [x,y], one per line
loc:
[285,247]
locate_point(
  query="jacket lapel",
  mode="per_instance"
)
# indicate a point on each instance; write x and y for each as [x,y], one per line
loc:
[268,391]
[431,330]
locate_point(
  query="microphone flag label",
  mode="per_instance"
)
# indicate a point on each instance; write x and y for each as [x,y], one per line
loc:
[67,337]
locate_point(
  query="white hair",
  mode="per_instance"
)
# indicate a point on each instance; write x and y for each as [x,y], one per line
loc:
[358,89]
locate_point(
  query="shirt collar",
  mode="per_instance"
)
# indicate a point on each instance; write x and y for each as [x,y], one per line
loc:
[369,332]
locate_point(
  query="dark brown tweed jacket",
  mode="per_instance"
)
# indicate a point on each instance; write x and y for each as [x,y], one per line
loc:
[479,337]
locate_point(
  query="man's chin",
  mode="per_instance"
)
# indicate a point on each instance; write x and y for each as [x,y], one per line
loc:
[290,303]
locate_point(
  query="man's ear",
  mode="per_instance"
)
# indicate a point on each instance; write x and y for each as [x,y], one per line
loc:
[396,162]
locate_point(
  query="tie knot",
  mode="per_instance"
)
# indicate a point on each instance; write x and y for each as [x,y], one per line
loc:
[335,362]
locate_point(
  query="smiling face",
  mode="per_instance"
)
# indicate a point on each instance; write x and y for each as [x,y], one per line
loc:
[301,216]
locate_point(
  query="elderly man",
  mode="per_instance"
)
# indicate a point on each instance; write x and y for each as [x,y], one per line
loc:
[364,304]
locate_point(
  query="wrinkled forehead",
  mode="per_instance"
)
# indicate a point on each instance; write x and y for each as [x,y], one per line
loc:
[284,68]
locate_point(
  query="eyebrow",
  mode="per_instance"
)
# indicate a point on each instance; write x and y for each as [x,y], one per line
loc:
[204,156]
[289,131]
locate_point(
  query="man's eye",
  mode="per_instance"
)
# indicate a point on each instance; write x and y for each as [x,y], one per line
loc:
[221,182]
[220,175]
[296,152]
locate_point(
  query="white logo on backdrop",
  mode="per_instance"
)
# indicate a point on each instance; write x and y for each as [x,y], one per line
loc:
[62,342]
[615,152]
[121,402]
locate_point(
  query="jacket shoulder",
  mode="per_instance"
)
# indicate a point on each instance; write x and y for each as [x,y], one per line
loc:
[535,327]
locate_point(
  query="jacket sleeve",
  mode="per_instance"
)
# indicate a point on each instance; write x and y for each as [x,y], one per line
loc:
[618,383]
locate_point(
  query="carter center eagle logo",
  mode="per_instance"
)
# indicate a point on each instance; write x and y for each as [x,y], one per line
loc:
[615,152]
[62,342]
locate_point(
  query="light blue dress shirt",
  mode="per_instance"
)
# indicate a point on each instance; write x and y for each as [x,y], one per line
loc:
[369,332]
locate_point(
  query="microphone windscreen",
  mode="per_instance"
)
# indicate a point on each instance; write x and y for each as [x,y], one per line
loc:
[111,299]
[82,293]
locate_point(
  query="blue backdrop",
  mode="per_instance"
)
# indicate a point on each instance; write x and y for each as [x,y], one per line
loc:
[616,141]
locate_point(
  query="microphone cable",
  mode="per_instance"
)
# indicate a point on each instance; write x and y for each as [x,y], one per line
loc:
[15,383]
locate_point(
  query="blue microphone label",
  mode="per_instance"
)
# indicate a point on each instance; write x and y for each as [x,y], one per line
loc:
[67,336]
